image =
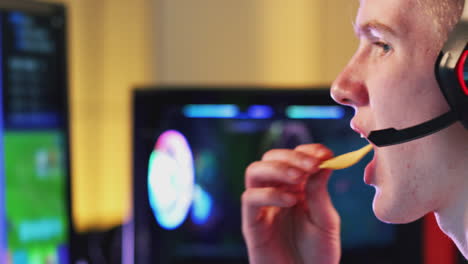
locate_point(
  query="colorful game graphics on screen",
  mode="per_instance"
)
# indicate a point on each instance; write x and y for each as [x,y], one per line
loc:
[172,189]
[171,179]
[37,220]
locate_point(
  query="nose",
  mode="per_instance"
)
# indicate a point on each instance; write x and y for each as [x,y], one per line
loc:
[350,88]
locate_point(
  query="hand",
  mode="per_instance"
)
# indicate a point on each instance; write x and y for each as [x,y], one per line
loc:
[287,213]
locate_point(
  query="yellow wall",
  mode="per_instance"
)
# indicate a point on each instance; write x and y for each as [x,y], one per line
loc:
[207,41]
[118,44]
[272,42]
[338,39]
[290,49]
[111,49]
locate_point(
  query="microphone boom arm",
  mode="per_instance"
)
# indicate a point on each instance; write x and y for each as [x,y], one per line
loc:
[392,136]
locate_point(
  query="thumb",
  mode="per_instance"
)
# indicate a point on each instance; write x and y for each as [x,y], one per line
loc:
[321,211]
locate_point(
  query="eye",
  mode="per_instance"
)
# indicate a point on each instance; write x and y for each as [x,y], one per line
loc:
[386,48]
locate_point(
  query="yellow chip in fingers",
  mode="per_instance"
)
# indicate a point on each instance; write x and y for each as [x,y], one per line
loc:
[346,160]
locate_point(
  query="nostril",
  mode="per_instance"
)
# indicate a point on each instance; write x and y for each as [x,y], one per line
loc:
[345,101]
[339,95]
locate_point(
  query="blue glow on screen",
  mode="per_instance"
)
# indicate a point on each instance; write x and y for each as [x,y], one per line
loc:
[211,111]
[34,119]
[227,111]
[314,112]
[20,257]
[42,229]
[18,18]
[260,112]
[202,206]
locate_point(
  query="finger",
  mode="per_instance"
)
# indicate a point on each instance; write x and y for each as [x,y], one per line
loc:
[317,151]
[319,204]
[296,158]
[262,173]
[254,199]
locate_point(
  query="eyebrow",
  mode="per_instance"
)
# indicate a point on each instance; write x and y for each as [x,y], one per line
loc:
[367,28]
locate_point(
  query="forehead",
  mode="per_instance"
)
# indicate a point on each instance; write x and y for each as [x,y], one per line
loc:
[400,15]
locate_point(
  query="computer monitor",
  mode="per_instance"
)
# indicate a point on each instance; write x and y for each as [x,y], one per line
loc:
[35,208]
[191,146]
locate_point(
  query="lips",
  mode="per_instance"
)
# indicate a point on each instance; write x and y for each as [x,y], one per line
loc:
[358,129]
[369,171]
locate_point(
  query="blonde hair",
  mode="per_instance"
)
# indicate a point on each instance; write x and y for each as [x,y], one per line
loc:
[445,14]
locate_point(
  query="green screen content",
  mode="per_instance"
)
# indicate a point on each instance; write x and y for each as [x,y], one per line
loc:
[37,220]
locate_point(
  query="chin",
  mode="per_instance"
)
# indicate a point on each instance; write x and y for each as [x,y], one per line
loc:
[392,211]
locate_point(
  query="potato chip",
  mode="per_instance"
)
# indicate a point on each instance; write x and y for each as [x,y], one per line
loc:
[346,160]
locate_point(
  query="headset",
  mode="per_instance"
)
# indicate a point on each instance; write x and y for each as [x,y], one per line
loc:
[451,70]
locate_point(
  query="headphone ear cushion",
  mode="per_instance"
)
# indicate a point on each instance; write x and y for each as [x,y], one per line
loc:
[462,72]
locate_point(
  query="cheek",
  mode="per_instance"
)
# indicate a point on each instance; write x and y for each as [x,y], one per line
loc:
[401,98]
[422,95]
[389,95]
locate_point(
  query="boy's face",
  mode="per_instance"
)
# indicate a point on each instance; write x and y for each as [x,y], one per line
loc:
[390,82]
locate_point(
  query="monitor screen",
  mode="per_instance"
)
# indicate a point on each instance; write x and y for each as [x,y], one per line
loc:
[191,149]
[34,181]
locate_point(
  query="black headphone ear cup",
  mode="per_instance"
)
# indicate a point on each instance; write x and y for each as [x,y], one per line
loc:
[451,73]
[452,68]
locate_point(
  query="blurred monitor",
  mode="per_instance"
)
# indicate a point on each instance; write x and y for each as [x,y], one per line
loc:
[34,172]
[191,146]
